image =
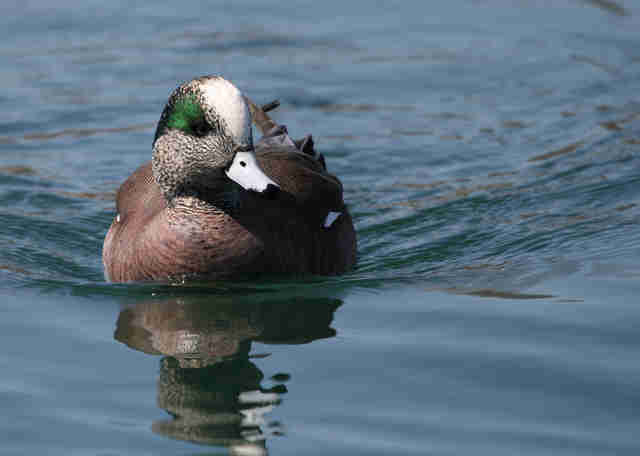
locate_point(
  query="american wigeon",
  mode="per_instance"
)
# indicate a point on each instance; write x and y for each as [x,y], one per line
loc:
[209,205]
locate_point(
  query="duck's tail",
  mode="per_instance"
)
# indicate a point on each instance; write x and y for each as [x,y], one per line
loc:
[269,128]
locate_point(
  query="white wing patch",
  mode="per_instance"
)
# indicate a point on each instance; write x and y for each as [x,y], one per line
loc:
[226,99]
[331,217]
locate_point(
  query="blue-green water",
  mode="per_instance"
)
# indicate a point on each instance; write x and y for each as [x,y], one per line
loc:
[490,154]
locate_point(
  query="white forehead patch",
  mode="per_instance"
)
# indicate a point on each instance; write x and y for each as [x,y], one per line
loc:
[229,103]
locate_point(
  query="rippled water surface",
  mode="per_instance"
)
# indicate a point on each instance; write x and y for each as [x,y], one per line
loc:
[490,154]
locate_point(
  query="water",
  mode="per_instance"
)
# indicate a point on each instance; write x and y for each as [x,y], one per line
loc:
[490,153]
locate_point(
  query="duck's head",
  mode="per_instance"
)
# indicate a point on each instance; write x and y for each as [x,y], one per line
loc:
[203,138]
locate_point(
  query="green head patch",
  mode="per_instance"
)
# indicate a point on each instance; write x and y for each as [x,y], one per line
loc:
[187,115]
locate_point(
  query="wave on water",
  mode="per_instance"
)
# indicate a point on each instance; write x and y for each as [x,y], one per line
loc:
[475,225]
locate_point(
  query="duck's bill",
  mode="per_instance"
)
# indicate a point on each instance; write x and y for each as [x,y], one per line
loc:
[246,172]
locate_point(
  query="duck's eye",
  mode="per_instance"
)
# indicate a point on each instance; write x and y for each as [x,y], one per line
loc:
[200,127]
[187,115]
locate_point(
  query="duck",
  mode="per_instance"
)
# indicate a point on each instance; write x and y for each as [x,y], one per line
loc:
[211,205]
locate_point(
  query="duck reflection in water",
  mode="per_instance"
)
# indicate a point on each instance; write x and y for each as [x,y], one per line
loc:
[208,383]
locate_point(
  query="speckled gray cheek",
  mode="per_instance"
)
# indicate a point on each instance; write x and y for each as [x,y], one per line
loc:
[221,129]
[185,165]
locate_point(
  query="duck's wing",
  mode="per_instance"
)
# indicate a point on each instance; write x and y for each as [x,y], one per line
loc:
[300,172]
[301,176]
[140,194]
